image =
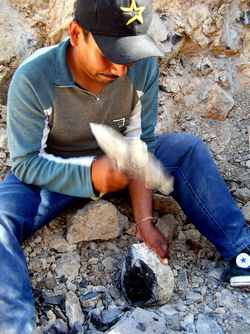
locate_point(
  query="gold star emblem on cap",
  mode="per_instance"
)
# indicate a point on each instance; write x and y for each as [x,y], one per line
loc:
[135,11]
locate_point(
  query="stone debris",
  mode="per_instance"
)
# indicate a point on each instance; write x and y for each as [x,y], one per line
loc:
[144,279]
[206,70]
[139,321]
[96,221]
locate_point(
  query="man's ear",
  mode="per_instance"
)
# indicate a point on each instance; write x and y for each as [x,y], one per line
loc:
[75,32]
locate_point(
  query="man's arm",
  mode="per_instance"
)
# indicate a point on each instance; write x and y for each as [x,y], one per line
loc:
[145,76]
[27,125]
[141,199]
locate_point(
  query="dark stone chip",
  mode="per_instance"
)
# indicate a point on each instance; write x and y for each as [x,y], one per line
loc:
[54,300]
[107,318]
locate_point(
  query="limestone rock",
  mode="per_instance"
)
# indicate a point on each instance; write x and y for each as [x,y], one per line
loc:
[96,221]
[73,309]
[139,321]
[24,39]
[220,103]
[61,14]
[145,280]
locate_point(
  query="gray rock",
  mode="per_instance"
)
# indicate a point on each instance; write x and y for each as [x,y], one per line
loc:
[168,226]
[187,324]
[157,29]
[144,279]
[220,103]
[57,327]
[90,298]
[59,243]
[25,36]
[68,265]
[172,316]
[216,273]
[3,139]
[105,319]
[182,281]
[54,300]
[96,221]
[50,281]
[246,211]
[243,194]
[165,204]
[205,325]
[73,310]
[139,321]
[193,235]
[193,297]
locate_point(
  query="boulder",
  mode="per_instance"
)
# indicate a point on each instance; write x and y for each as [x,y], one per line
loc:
[145,280]
[96,221]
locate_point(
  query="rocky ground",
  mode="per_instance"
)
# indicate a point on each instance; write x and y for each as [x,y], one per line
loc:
[204,89]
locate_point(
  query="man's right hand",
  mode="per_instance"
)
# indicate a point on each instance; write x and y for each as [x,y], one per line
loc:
[106,177]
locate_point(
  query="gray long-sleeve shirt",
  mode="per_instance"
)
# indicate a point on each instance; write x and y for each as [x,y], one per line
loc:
[50,141]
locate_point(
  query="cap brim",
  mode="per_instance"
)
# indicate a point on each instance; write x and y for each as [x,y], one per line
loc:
[125,50]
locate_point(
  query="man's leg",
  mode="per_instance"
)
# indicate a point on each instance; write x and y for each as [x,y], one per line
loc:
[202,193]
[23,209]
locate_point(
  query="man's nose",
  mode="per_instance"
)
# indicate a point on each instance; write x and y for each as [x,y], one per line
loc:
[119,70]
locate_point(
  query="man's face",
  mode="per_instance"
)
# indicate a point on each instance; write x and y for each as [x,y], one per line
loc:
[92,62]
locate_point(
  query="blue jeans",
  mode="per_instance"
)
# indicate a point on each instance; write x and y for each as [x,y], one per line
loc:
[199,189]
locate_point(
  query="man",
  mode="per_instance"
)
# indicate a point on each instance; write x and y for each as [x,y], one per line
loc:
[104,73]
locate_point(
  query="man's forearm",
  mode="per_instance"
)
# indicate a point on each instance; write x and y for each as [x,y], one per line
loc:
[141,199]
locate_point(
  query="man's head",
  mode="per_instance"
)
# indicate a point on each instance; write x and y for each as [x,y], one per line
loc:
[119,28]
[108,36]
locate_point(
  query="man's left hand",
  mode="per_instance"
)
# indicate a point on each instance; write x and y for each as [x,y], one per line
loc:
[153,238]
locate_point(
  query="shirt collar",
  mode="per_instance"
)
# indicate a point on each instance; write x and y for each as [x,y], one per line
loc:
[63,74]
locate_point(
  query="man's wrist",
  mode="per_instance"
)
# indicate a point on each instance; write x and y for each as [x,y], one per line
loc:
[147,220]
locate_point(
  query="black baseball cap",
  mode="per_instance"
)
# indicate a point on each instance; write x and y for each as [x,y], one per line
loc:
[119,28]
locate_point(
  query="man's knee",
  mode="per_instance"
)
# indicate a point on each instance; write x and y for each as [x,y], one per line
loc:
[180,143]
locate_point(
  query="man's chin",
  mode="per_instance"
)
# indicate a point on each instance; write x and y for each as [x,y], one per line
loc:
[106,78]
